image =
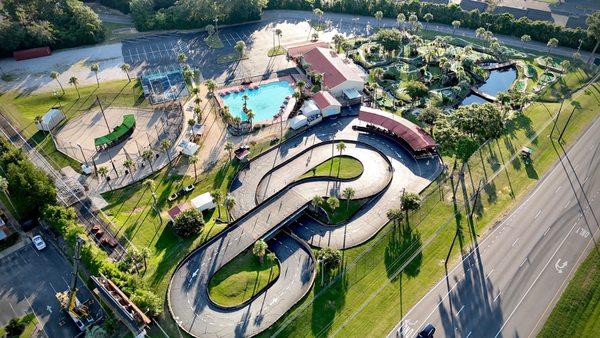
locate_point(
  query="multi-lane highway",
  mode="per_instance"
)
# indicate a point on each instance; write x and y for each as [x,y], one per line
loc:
[508,284]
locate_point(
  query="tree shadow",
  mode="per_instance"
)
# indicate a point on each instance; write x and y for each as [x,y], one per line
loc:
[330,298]
[491,192]
[403,252]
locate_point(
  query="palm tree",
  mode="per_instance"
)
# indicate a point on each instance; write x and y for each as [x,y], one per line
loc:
[245,97]
[54,76]
[341,146]
[147,155]
[410,201]
[553,42]
[74,81]
[103,171]
[279,34]
[338,40]
[165,145]
[126,67]
[150,185]
[250,115]
[400,20]
[181,57]
[480,32]
[565,65]
[229,148]
[4,189]
[240,47]
[217,197]
[428,17]
[333,203]
[129,165]
[378,16]
[198,113]
[211,85]
[228,203]
[95,68]
[348,194]
[395,215]
[413,20]
[319,14]
[144,254]
[524,39]
[455,25]
[260,249]
[194,160]
[316,201]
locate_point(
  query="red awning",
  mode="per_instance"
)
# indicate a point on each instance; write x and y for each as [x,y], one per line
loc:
[412,134]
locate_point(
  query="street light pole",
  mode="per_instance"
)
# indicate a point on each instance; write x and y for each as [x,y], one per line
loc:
[83,154]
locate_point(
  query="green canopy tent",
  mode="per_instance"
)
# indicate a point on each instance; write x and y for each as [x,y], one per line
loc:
[120,132]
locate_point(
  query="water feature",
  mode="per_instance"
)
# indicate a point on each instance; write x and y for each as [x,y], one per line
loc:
[264,101]
[499,81]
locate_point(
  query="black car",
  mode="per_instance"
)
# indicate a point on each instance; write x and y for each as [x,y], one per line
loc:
[427,332]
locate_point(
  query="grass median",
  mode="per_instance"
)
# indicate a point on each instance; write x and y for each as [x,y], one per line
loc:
[344,167]
[241,279]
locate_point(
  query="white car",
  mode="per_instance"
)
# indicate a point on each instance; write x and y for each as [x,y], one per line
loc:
[38,242]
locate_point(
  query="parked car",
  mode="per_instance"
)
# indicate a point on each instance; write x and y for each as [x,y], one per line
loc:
[173,196]
[188,189]
[427,331]
[39,243]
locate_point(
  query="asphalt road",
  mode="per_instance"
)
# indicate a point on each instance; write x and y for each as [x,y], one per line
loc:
[508,284]
[267,198]
[30,280]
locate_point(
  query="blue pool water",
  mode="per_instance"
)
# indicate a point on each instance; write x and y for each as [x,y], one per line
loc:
[499,81]
[264,101]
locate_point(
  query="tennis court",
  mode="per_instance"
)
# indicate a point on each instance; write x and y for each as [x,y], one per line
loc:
[164,87]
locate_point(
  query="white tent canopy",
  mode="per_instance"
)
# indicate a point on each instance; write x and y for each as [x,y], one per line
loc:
[310,108]
[203,202]
[298,122]
[50,119]
[188,148]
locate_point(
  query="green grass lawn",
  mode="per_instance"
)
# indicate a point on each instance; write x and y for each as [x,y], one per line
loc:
[577,313]
[230,58]
[241,279]
[30,323]
[109,30]
[344,212]
[23,108]
[276,51]
[379,279]
[344,167]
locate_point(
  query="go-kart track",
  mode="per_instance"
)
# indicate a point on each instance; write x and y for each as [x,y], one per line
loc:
[268,197]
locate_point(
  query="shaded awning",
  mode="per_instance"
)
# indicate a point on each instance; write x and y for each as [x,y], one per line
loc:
[352,94]
[412,134]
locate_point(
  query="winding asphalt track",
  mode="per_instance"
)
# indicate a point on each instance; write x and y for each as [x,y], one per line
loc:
[268,198]
[508,283]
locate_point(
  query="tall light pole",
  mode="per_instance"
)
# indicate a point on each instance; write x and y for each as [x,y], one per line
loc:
[83,154]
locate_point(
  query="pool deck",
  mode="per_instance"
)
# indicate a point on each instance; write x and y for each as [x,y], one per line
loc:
[254,85]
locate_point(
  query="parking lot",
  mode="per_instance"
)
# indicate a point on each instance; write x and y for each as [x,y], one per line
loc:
[31,279]
[158,53]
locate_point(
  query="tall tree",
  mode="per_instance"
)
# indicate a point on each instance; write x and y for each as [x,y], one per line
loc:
[410,202]
[165,145]
[260,249]
[125,68]
[74,81]
[593,30]
[400,20]
[229,148]
[217,197]
[455,26]
[395,216]
[148,156]
[240,48]
[333,203]
[228,203]
[525,38]
[348,194]
[4,189]
[94,67]
[316,202]
[378,16]
[128,163]
[54,76]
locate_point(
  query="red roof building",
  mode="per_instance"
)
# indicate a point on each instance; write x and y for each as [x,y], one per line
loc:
[299,49]
[327,104]
[413,135]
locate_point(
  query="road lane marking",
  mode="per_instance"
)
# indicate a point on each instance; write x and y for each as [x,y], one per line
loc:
[497,296]
[535,280]
[538,214]
[546,232]
[515,242]
[523,262]
[461,308]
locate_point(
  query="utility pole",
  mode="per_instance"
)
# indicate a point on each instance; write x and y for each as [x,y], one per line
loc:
[102,111]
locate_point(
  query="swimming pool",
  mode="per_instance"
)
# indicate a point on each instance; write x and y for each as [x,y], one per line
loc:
[265,101]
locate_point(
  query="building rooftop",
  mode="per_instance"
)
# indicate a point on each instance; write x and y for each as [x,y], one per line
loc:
[409,132]
[324,99]
[335,69]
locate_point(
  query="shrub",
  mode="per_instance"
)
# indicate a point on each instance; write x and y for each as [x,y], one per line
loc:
[147,301]
[188,223]
[15,327]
